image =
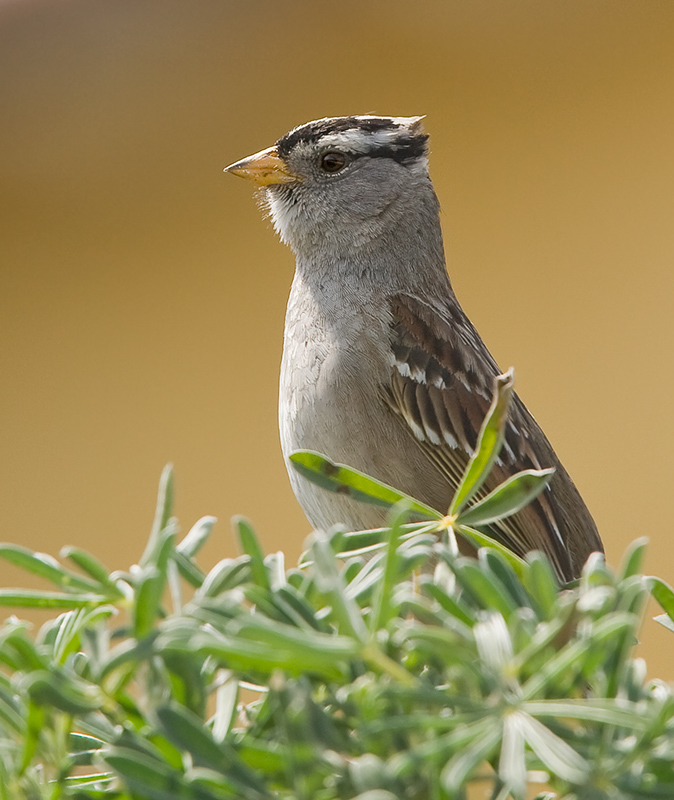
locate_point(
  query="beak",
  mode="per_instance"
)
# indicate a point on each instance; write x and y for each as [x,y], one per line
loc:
[265,168]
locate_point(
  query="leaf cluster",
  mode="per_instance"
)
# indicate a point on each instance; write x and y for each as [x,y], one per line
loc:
[385,665]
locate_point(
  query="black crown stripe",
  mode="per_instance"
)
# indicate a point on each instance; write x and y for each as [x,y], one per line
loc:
[407,147]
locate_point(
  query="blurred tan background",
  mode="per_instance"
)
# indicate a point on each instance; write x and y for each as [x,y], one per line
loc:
[142,296]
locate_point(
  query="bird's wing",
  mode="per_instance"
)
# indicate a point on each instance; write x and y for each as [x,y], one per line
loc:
[441,384]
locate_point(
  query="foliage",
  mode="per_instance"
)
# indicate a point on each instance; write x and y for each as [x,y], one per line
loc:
[386,665]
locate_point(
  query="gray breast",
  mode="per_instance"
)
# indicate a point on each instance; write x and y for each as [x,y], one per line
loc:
[334,369]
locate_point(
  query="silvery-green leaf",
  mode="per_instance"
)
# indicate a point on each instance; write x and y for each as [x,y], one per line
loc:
[489,442]
[508,498]
[351,483]
[557,756]
[512,768]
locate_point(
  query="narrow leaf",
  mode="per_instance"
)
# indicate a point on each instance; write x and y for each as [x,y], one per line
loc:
[541,582]
[187,732]
[512,763]
[508,498]
[48,567]
[556,755]
[663,593]
[480,539]
[488,445]
[330,582]
[346,481]
[226,699]
[225,575]
[69,694]
[193,574]
[572,656]
[146,774]
[197,536]
[632,559]
[598,709]
[92,567]
[460,768]
[486,590]
[251,547]
[383,605]
[665,620]
[150,588]
[246,654]
[162,514]
[24,598]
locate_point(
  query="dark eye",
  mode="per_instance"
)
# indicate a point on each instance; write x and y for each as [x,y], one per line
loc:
[333,162]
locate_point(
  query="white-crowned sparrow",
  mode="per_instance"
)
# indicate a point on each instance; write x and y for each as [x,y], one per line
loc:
[381,369]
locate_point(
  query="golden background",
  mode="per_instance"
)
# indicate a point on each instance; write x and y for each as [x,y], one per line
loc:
[142,296]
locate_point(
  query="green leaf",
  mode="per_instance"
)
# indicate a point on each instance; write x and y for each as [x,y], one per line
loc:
[11,714]
[480,539]
[35,719]
[292,601]
[149,591]
[455,606]
[48,567]
[572,656]
[67,693]
[541,582]
[204,779]
[508,498]
[162,515]
[25,598]
[68,639]
[665,621]
[384,609]
[488,445]
[145,774]
[306,643]
[92,566]
[555,754]
[251,547]
[197,536]
[150,586]
[82,742]
[663,593]
[16,639]
[225,575]
[187,732]
[512,767]
[632,559]
[494,643]
[349,482]
[486,590]
[597,709]
[484,739]
[493,562]
[189,570]
[330,582]
[226,700]
[248,654]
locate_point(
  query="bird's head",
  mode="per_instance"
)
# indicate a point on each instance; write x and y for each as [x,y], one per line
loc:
[342,182]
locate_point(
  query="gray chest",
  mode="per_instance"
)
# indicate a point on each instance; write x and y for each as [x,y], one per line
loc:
[335,361]
[336,366]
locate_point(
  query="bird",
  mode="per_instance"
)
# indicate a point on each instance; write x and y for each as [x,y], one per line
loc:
[381,369]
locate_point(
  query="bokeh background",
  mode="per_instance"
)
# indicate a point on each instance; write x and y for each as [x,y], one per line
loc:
[142,296]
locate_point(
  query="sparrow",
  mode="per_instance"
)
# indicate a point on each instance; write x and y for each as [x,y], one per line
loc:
[381,369]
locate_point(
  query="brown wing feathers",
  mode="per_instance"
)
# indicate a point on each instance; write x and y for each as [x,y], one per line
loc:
[441,385]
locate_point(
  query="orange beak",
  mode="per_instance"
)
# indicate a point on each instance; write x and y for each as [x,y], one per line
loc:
[265,168]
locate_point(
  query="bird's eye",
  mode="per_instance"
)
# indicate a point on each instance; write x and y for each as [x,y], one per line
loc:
[333,162]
